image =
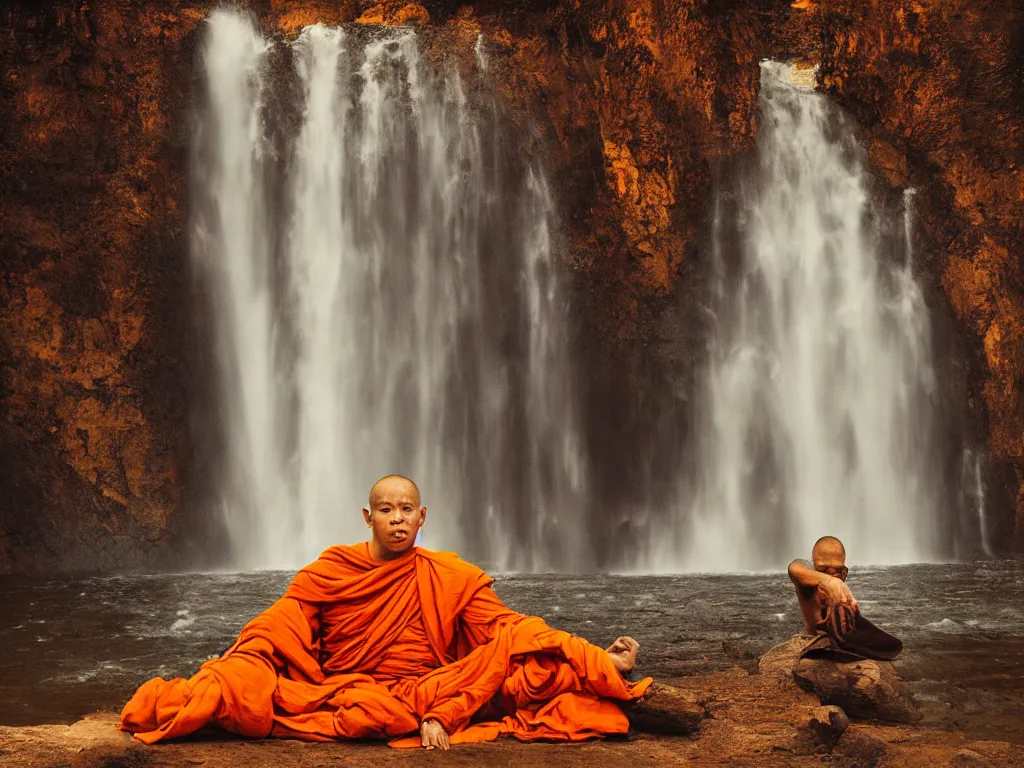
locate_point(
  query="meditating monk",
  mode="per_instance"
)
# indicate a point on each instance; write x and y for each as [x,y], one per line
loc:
[822,582]
[830,611]
[384,639]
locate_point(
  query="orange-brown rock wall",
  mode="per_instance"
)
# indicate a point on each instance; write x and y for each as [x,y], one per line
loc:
[91,215]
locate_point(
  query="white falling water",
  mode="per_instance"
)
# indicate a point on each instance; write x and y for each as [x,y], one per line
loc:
[319,243]
[972,491]
[409,317]
[817,405]
[231,248]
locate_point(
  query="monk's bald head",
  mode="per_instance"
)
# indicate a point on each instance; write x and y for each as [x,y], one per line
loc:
[394,485]
[828,548]
[395,517]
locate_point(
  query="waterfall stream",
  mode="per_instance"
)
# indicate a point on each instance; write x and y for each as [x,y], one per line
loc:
[379,254]
[815,415]
[386,298]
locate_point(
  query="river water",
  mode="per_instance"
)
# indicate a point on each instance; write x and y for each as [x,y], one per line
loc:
[72,646]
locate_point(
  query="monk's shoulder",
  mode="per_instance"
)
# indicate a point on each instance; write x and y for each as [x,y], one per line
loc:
[341,558]
[340,552]
[451,563]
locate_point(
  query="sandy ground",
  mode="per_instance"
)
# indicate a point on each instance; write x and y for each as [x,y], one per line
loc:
[754,720]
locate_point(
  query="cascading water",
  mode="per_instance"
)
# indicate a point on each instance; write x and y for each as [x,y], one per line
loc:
[817,407]
[972,495]
[386,297]
[231,248]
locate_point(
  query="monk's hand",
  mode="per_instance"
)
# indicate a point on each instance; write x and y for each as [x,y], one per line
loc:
[623,653]
[433,735]
[837,593]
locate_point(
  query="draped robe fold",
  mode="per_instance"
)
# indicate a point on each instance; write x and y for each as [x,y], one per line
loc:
[359,648]
[844,635]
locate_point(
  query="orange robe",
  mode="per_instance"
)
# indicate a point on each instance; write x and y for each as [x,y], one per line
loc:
[359,648]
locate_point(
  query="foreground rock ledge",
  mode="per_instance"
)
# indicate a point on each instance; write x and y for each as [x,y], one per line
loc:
[870,690]
[665,710]
[752,720]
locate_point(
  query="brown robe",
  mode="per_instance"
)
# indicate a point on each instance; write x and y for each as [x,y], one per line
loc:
[845,635]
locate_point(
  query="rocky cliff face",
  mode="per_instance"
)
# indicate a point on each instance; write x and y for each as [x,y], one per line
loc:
[636,105]
[91,209]
[939,91]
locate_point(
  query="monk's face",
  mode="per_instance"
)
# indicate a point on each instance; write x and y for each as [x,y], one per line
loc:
[394,516]
[830,560]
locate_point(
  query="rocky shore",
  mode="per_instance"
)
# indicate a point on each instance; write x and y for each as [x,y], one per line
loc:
[760,717]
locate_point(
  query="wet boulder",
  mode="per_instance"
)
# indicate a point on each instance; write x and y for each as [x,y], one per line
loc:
[780,660]
[865,689]
[858,748]
[664,709]
[828,723]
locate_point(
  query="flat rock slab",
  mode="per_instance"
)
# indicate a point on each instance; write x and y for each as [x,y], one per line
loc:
[95,743]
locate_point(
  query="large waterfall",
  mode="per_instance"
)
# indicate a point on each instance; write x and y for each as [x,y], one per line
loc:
[815,414]
[386,298]
[379,256]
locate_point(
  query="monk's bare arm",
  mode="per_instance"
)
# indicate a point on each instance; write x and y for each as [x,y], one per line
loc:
[808,581]
[623,653]
[802,574]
